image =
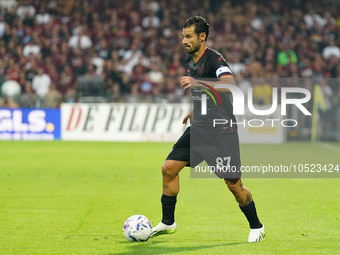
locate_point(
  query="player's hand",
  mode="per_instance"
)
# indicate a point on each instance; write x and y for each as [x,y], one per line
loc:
[188,116]
[186,82]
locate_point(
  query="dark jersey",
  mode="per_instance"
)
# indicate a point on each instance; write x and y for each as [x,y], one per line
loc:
[210,67]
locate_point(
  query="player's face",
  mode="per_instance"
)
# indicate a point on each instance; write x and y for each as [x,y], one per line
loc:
[191,40]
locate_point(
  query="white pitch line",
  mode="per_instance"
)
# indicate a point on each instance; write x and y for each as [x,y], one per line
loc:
[331,147]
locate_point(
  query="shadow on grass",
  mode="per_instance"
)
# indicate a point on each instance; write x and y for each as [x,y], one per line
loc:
[150,248]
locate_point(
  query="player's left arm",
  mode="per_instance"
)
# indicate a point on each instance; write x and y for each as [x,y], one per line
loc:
[227,79]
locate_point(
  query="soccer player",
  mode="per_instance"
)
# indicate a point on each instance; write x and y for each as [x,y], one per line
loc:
[200,141]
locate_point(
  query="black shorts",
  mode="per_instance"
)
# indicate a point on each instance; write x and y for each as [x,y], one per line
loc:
[223,154]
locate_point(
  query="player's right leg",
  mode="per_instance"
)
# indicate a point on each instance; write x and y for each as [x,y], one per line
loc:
[178,158]
[170,171]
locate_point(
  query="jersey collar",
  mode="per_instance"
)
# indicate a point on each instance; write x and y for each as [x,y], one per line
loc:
[205,53]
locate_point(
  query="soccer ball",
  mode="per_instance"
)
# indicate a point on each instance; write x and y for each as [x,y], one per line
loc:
[137,228]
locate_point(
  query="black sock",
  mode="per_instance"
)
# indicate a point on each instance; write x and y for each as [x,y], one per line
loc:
[168,209]
[250,212]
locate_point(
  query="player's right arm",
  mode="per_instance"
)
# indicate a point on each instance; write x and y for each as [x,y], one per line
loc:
[187,82]
[190,116]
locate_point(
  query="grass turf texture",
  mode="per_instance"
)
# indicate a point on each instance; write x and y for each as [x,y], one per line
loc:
[73,198]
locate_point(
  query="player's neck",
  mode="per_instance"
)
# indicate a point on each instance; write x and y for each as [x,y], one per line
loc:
[197,55]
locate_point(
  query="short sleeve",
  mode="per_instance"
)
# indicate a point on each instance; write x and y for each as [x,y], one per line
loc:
[220,66]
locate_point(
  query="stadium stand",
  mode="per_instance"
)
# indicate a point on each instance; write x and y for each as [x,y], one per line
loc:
[134,47]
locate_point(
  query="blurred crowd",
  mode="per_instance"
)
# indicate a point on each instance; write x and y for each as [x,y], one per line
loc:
[135,46]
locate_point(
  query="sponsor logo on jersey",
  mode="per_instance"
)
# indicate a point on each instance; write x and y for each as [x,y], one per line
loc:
[197,98]
[210,94]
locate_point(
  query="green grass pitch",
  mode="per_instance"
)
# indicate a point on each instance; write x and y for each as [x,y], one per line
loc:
[73,198]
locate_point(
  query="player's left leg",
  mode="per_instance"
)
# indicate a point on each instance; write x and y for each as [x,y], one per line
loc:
[240,192]
[247,206]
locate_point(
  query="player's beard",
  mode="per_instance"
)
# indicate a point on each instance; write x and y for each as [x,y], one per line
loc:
[195,47]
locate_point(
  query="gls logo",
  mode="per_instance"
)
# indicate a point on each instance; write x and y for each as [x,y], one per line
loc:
[238,100]
[14,122]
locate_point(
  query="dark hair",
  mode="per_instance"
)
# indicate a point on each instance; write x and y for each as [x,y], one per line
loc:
[201,25]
